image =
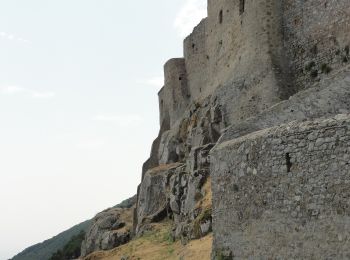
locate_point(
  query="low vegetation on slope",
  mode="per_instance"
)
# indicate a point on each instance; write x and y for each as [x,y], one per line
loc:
[157,244]
[46,249]
[71,250]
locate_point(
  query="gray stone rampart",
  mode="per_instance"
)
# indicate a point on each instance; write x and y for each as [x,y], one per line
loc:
[284,192]
[317,38]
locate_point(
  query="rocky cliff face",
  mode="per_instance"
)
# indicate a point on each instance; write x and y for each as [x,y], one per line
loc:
[179,187]
[254,137]
[109,228]
[228,159]
[246,68]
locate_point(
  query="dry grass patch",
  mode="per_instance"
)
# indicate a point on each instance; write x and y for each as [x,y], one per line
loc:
[163,167]
[206,201]
[157,245]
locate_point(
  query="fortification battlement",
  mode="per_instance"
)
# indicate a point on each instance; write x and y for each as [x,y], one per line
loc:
[269,49]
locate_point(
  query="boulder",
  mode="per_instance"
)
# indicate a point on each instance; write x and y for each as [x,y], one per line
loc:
[153,196]
[111,228]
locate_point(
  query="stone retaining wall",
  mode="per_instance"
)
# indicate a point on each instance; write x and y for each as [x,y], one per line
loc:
[284,192]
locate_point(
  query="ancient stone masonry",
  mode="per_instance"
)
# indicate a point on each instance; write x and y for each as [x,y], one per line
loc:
[251,111]
[317,38]
[264,53]
[286,190]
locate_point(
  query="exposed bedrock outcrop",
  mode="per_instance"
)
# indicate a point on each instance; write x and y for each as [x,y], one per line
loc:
[178,186]
[180,191]
[254,139]
[172,189]
[250,66]
[110,228]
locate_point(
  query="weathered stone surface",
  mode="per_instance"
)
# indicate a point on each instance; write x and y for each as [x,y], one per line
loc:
[176,191]
[110,228]
[249,66]
[285,190]
[325,99]
[280,191]
[153,195]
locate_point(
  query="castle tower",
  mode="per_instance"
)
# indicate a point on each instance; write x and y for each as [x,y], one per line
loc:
[262,52]
[240,46]
[174,96]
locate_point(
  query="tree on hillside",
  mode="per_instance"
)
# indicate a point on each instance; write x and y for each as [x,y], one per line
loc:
[71,250]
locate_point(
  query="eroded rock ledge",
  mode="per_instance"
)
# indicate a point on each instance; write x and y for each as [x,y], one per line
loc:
[110,228]
[249,68]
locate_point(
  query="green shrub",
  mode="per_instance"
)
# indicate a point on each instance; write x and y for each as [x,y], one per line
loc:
[71,250]
[314,73]
[310,65]
[325,68]
[203,217]
[223,255]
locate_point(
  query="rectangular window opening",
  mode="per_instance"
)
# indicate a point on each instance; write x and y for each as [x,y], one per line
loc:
[241,6]
[221,17]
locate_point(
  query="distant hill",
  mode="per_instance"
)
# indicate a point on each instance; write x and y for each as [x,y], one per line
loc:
[45,250]
[71,250]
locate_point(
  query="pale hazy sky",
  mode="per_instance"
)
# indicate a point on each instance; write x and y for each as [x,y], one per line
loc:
[78,106]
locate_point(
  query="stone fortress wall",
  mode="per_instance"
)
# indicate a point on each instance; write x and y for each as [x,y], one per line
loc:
[250,69]
[266,50]
[286,190]
[317,37]
[254,139]
[174,96]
